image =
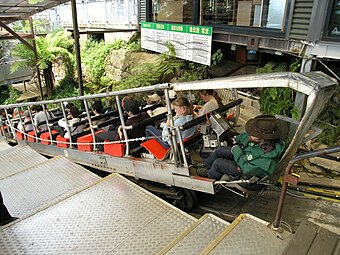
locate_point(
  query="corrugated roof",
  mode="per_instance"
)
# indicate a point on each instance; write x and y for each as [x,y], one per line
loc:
[13,10]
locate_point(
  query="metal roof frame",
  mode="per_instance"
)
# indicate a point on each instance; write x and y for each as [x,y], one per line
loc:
[14,10]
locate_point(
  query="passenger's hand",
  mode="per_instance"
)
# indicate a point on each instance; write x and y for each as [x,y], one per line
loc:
[120,132]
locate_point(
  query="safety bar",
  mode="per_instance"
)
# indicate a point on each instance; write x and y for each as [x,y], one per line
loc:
[203,118]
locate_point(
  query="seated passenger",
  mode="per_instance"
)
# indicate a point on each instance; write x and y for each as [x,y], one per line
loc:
[23,126]
[163,109]
[184,113]
[40,117]
[134,116]
[96,109]
[255,152]
[211,99]
[74,113]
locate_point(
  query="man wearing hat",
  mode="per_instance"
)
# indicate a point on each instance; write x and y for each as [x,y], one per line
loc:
[255,152]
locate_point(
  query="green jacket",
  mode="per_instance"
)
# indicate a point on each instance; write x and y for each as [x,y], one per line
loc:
[252,160]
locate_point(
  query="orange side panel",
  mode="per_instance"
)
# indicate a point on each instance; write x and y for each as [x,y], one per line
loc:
[20,136]
[46,136]
[60,142]
[115,149]
[29,138]
[86,139]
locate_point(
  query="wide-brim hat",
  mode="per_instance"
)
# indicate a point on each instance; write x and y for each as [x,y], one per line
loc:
[266,127]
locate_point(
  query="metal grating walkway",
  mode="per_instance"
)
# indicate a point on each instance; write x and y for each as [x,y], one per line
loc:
[197,237]
[248,235]
[65,209]
[17,159]
[43,185]
[4,146]
[114,216]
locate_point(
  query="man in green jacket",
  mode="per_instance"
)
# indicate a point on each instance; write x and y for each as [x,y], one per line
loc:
[254,153]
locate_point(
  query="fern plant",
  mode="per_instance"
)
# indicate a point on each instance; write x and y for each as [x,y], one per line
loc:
[54,46]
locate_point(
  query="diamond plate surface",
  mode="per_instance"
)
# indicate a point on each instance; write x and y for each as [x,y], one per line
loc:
[4,146]
[97,220]
[199,237]
[47,183]
[18,159]
[250,237]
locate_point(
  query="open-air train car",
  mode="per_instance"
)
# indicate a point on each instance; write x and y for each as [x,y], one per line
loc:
[169,170]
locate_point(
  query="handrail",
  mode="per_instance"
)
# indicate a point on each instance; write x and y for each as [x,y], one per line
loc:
[203,118]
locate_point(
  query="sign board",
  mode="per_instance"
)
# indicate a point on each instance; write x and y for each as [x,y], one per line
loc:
[190,42]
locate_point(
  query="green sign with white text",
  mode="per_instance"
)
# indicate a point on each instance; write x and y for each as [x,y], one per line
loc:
[190,42]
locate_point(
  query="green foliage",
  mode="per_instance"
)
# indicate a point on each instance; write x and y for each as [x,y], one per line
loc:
[329,121]
[197,71]
[66,88]
[8,95]
[278,100]
[94,55]
[49,49]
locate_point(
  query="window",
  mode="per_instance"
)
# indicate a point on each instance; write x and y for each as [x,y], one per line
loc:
[172,11]
[334,29]
[255,13]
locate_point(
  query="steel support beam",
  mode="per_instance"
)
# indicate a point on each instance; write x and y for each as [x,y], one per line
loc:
[77,47]
[36,58]
[9,30]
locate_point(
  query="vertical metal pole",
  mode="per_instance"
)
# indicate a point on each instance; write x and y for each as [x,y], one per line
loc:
[172,130]
[47,122]
[33,124]
[90,121]
[77,47]
[21,123]
[122,121]
[67,127]
[9,124]
[36,58]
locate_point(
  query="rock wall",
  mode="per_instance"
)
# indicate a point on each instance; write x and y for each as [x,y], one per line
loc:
[120,62]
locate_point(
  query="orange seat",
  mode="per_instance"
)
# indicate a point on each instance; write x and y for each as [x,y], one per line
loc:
[20,135]
[156,148]
[62,142]
[31,136]
[114,149]
[46,137]
[86,139]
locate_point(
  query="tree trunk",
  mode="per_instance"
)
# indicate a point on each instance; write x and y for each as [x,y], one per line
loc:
[49,80]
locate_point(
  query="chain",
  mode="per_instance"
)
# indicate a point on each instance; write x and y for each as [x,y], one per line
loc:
[88,143]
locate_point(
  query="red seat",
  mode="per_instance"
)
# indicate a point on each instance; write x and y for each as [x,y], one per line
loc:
[46,137]
[156,148]
[86,139]
[31,136]
[20,135]
[62,142]
[114,149]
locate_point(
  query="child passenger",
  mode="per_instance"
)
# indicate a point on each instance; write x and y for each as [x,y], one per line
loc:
[184,113]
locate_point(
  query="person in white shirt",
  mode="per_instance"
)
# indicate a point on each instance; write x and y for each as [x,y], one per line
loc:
[74,112]
[211,99]
[23,126]
[40,117]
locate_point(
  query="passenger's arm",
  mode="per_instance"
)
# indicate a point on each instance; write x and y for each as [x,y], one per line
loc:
[247,164]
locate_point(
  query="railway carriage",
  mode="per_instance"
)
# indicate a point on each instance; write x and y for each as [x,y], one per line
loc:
[169,172]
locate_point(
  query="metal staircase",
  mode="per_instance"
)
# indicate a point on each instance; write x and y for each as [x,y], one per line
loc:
[65,209]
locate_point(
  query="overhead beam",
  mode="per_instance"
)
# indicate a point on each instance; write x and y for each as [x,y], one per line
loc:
[4,5]
[9,30]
